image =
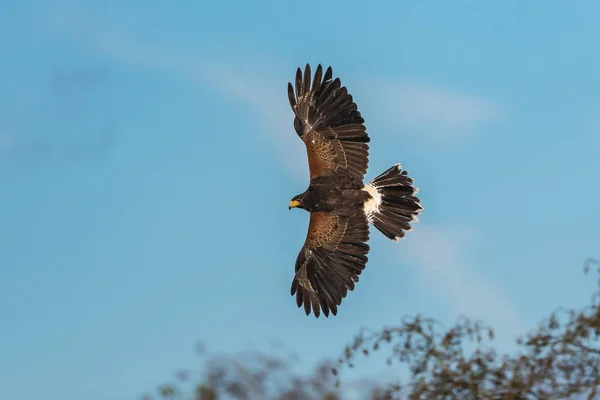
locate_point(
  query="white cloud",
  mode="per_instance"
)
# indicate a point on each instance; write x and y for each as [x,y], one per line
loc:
[256,87]
[267,97]
[431,112]
[441,263]
[434,111]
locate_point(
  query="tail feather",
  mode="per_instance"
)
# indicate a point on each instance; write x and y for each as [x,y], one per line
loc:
[392,205]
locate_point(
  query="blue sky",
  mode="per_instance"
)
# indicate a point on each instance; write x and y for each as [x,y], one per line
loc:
[147,156]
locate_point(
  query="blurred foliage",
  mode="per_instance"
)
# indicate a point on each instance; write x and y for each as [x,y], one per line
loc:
[558,360]
[250,376]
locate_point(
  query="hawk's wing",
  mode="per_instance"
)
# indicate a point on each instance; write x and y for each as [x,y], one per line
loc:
[333,256]
[329,123]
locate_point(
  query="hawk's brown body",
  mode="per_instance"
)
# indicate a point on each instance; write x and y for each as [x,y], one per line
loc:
[340,204]
[336,192]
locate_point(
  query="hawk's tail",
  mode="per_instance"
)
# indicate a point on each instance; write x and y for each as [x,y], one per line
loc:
[393,204]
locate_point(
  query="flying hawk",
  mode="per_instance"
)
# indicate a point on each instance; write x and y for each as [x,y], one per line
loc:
[341,206]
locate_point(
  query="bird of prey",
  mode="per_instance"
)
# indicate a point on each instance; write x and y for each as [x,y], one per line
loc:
[341,205]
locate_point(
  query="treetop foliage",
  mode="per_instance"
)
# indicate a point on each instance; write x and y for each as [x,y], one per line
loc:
[558,360]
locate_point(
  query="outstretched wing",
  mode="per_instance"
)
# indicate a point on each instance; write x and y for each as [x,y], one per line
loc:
[329,123]
[333,256]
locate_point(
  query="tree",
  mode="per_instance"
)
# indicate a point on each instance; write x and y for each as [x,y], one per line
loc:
[558,360]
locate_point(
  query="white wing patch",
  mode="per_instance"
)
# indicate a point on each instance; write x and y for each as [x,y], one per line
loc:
[372,205]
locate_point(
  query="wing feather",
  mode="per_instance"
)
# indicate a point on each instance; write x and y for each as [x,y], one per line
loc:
[299,87]
[329,123]
[330,262]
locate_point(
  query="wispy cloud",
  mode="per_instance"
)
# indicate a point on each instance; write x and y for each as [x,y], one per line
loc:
[442,266]
[431,111]
[267,97]
[427,110]
[257,88]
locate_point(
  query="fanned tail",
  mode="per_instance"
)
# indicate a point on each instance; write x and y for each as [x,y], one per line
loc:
[393,204]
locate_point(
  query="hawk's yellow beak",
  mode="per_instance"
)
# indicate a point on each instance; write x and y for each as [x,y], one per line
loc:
[293,203]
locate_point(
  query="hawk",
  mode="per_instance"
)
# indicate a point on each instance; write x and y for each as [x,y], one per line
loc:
[340,204]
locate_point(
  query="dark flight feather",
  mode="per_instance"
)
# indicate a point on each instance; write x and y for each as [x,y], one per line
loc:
[329,123]
[330,262]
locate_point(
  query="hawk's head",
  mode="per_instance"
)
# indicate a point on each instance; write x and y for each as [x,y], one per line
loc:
[297,202]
